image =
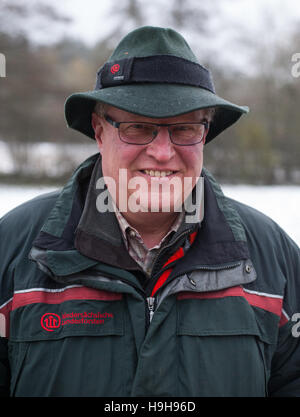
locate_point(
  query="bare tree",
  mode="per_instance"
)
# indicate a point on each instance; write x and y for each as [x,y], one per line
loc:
[18,18]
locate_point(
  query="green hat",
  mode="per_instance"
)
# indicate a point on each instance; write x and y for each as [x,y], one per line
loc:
[154,73]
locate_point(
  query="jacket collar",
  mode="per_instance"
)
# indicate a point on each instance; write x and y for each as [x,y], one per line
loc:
[76,238]
[98,235]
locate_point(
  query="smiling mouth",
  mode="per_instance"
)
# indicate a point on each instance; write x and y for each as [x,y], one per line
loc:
[158,174]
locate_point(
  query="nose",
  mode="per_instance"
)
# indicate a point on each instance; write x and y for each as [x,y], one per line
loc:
[161,148]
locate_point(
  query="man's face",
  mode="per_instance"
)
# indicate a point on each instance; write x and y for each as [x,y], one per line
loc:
[154,177]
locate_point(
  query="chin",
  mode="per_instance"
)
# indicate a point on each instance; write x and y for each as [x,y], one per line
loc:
[155,202]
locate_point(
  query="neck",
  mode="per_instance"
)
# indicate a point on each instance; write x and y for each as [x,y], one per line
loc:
[151,226]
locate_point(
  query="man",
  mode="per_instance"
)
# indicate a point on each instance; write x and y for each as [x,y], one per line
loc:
[141,278]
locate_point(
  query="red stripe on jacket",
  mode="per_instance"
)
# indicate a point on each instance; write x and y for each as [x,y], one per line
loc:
[46,296]
[261,300]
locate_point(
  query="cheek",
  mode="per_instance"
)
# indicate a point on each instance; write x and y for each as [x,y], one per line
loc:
[193,160]
[116,156]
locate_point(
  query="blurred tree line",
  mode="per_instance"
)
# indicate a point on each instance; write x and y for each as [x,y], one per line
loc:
[262,148]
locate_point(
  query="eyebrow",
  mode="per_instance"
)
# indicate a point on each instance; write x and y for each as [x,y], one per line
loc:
[203,119]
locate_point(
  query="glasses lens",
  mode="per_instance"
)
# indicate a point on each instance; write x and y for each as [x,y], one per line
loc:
[187,133]
[143,133]
[138,133]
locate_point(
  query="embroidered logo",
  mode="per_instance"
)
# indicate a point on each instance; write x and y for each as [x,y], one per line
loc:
[52,321]
[115,68]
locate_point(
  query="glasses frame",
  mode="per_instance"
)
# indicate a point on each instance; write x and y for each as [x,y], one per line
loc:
[118,124]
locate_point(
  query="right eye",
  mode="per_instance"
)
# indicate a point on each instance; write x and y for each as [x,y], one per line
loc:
[137,129]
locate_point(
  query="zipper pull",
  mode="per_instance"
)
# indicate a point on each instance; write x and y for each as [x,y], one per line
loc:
[151,302]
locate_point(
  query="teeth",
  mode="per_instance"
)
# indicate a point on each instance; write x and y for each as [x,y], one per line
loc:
[153,173]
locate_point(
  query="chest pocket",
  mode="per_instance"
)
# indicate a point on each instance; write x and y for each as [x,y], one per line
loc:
[68,347]
[225,347]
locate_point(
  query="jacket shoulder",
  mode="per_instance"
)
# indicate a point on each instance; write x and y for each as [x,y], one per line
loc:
[258,222]
[275,255]
[19,227]
[251,216]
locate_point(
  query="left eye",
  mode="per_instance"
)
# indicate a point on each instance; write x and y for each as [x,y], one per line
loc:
[184,128]
[138,127]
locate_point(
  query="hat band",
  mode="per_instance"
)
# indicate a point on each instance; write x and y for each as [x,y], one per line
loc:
[154,69]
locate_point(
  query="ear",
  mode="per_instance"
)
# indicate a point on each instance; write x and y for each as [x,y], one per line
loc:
[204,137]
[97,126]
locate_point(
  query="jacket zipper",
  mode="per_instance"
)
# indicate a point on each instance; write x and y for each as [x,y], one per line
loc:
[151,307]
[165,248]
[153,301]
[149,301]
[218,267]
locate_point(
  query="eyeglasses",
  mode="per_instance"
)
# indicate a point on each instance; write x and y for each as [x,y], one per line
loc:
[142,133]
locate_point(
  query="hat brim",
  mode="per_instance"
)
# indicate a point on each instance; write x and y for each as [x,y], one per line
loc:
[154,101]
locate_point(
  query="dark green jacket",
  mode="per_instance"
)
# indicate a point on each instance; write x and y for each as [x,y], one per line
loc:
[79,311]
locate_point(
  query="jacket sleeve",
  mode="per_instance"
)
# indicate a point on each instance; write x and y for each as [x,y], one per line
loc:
[5,302]
[4,369]
[285,371]
[17,230]
[12,232]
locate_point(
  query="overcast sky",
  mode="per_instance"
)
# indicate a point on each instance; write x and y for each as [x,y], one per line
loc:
[234,26]
[93,18]
[249,12]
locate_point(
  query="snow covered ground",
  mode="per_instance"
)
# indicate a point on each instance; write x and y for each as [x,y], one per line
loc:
[281,203]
